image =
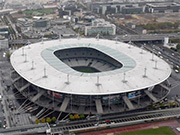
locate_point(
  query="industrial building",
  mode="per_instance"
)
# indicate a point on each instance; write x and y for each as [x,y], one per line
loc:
[168,7]
[100,26]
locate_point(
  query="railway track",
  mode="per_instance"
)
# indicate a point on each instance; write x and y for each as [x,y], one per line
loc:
[116,121]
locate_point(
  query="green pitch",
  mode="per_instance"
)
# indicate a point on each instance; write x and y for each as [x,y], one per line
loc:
[157,131]
[86,69]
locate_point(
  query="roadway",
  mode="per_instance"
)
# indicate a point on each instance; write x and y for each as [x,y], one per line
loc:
[172,58]
[146,37]
[12,24]
[168,55]
[122,38]
[23,41]
[116,121]
[8,115]
[3,112]
[4,109]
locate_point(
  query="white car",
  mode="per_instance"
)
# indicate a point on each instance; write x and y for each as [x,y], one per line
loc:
[176,71]
[178,129]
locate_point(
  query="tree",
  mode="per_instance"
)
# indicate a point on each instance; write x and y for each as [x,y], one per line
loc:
[43,120]
[175,40]
[76,116]
[53,120]
[170,104]
[178,47]
[37,121]
[82,116]
[8,55]
[162,106]
[71,117]
[48,120]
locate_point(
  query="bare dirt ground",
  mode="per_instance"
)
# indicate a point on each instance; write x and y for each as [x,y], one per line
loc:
[150,18]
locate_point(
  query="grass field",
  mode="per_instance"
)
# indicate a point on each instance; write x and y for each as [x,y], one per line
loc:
[86,69]
[157,131]
[43,11]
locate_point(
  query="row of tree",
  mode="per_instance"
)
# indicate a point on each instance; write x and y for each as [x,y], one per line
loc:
[53,119]
[48,120]
[174,40]
[164,25]
[165,105]
[76,116]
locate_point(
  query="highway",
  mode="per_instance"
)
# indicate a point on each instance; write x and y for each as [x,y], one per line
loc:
[167,55]
[12,24]
[146,37]
[171,57]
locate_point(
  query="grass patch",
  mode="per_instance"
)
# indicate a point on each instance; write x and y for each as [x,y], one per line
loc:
[157,131]
[42,11]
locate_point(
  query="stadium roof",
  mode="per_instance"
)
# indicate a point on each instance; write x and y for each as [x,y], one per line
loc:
[48,55]
[138,71]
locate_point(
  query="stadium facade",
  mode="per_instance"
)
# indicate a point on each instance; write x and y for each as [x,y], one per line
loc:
[89,76]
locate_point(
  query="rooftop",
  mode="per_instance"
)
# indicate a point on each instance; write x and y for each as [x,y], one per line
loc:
[143,72]
[171,4]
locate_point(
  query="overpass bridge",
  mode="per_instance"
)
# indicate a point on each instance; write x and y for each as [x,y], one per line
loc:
[123,38]
[5,11]
[146,37]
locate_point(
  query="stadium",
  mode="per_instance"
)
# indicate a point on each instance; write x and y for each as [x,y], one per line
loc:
[89,76]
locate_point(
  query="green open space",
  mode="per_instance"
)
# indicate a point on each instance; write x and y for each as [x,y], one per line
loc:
[42,11]
[163,25]
[156,131]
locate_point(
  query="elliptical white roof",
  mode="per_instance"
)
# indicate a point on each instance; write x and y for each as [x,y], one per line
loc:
[86,84]
[48,55]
